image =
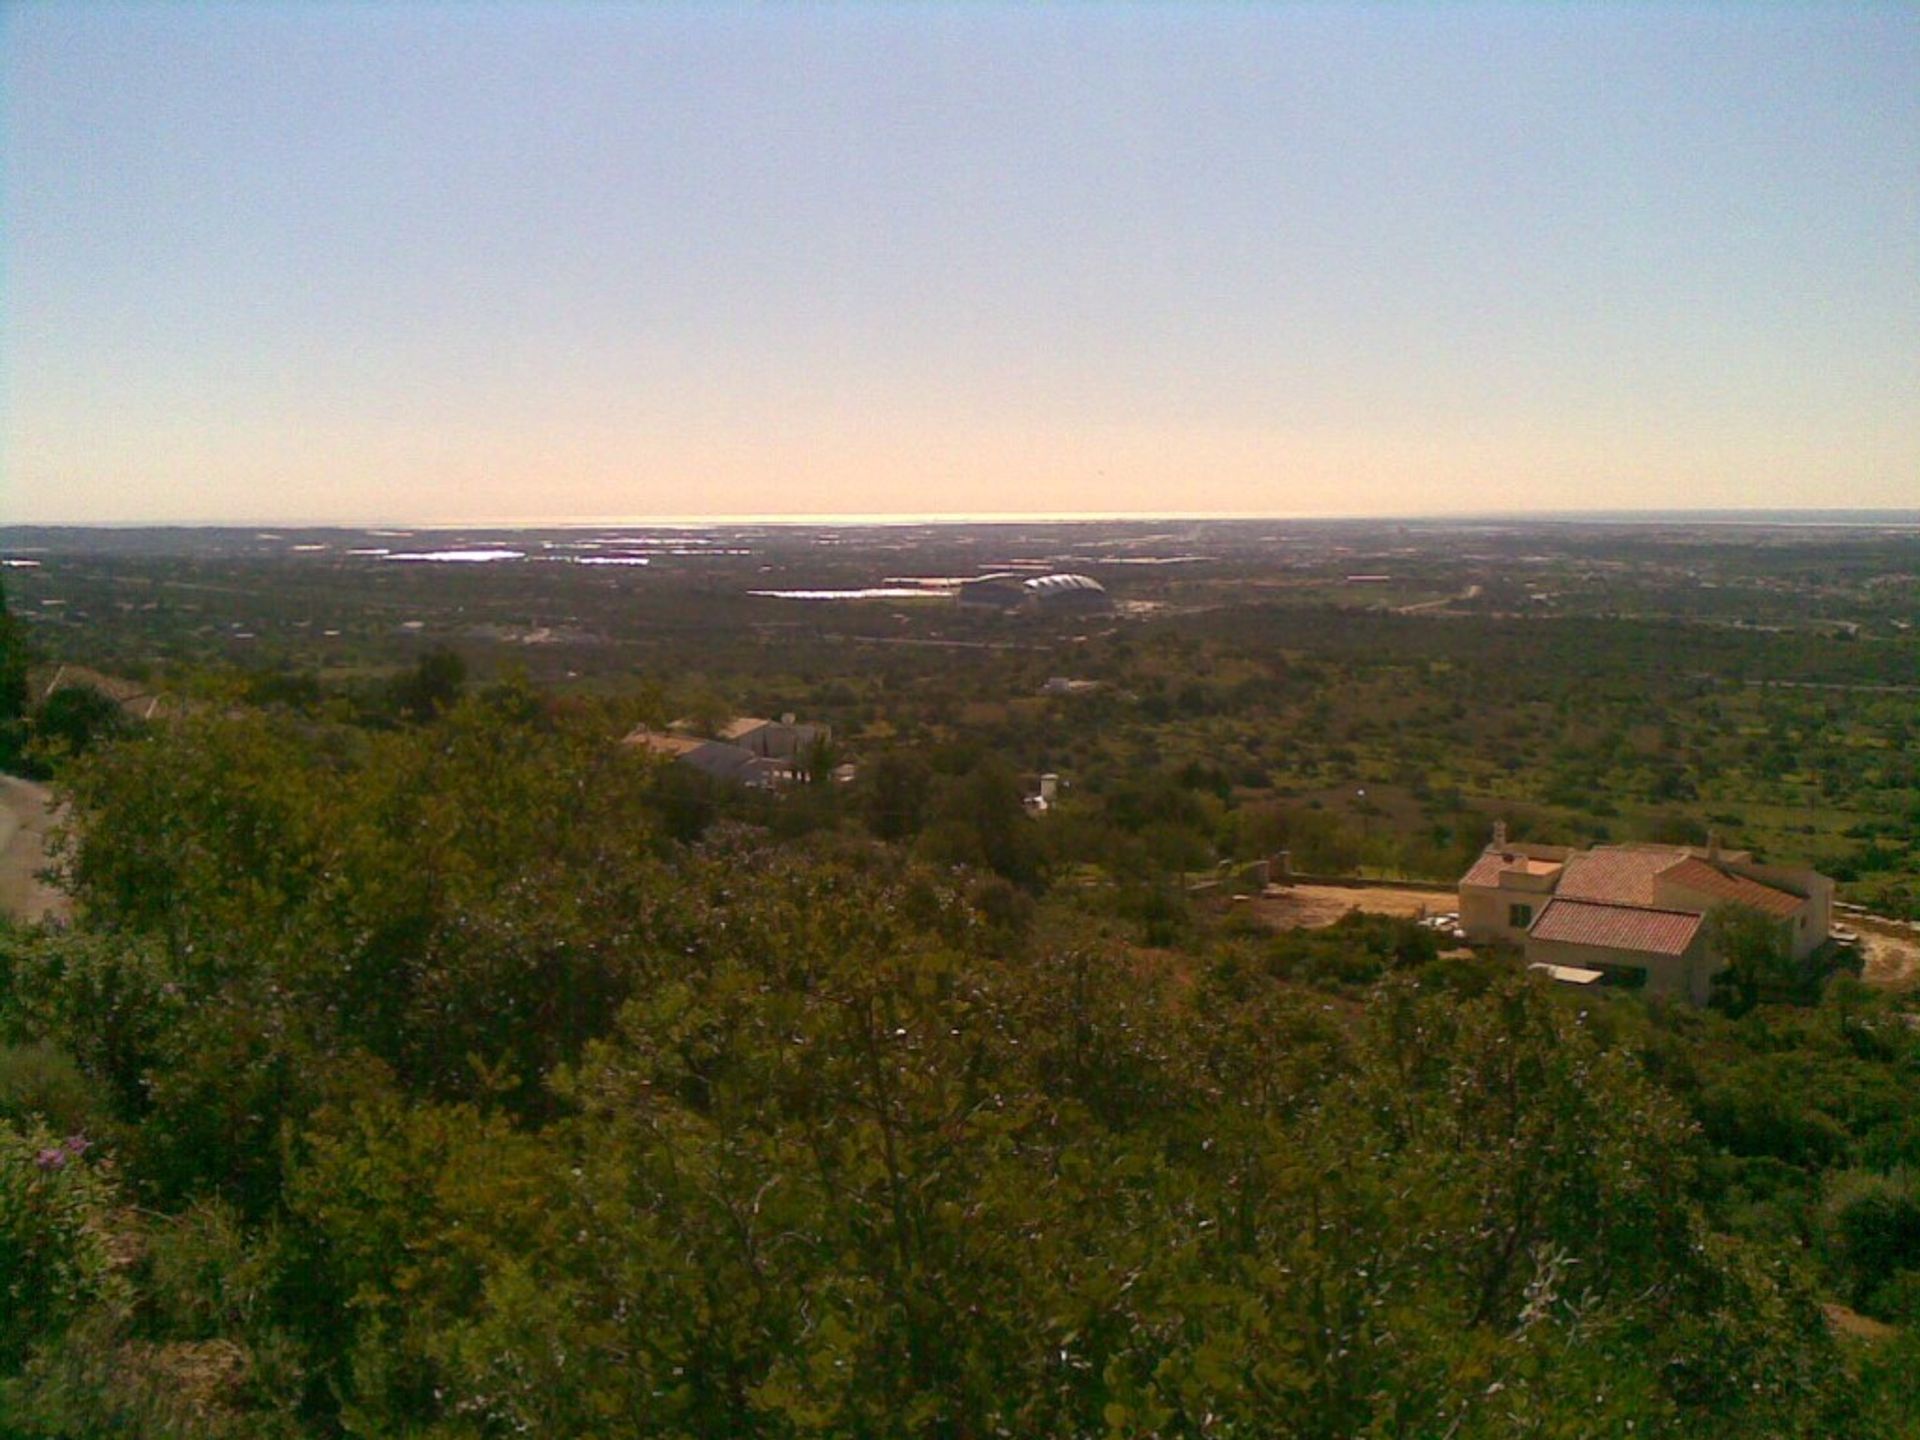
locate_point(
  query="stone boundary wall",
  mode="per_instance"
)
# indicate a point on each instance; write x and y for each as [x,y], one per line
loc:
[1369,882]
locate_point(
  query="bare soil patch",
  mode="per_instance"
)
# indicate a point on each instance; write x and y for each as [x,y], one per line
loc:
[1851,1322]
[1891,957]
[25,816]
[1307,907]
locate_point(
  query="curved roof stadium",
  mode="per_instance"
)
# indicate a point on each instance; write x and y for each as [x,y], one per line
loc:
[1075,592]
[1035,592]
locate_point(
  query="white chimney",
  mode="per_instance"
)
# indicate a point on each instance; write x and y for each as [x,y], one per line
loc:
[1049,787]
[1499,834]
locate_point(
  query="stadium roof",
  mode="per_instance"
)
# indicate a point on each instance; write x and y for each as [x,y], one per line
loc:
[1042,585]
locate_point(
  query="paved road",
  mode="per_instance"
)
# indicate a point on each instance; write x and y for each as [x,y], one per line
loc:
[23,829]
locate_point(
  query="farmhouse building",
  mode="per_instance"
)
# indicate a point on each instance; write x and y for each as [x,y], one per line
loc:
[758,753]
[133,698]
[780,739]
[1633,914]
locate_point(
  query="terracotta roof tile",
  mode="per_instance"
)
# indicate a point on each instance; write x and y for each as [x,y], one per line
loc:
[1616,927]
[1493,864]
[1614,877]
[1486,870]
[1700,877]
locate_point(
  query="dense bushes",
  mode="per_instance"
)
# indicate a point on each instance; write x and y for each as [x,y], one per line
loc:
[1872,1226]
[460,1102]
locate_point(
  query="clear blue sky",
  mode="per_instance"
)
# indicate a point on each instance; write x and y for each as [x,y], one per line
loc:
[478,261]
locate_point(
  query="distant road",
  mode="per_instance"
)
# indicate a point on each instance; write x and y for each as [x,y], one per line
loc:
[1860,687]
[1472,592]
[24,820]
[1835,685]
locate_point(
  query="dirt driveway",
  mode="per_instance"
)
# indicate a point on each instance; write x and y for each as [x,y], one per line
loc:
[23,830]
[1307,907]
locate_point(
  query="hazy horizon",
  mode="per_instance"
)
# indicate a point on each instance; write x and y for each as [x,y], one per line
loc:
[1896,517]
[328,264]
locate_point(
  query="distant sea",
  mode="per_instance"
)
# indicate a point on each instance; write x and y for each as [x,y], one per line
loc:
[1726,517]
[1877,519]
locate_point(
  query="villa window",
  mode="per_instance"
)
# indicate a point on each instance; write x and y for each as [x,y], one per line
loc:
[1519,916]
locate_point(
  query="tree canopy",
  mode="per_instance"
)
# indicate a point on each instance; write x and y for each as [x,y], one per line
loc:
[422,1082]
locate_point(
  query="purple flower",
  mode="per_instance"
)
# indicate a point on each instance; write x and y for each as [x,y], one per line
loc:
[51,1158]
[77,1145]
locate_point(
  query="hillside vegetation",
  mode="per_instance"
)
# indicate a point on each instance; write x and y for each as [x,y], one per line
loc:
[418,1082]
[418,1060]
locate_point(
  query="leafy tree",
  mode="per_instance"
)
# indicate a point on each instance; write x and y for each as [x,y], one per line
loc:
[295,689]
[75,717]
[979,819]
[897,784]
[1871,1225]
[816,762]
[1754,949]
[430,687]
[39,1081]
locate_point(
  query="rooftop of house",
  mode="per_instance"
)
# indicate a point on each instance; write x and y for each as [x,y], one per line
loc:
[1616,875]
[132,696]
[1492,864]
[1569,974]
[1641,928]
[1697,875]
[1638,875]
[729,762]
[743,725]
[662,743]
[1709,851]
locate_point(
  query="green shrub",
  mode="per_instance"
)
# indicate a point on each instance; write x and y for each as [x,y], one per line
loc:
[1871,1226]
[54,1259]
[39,1079]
